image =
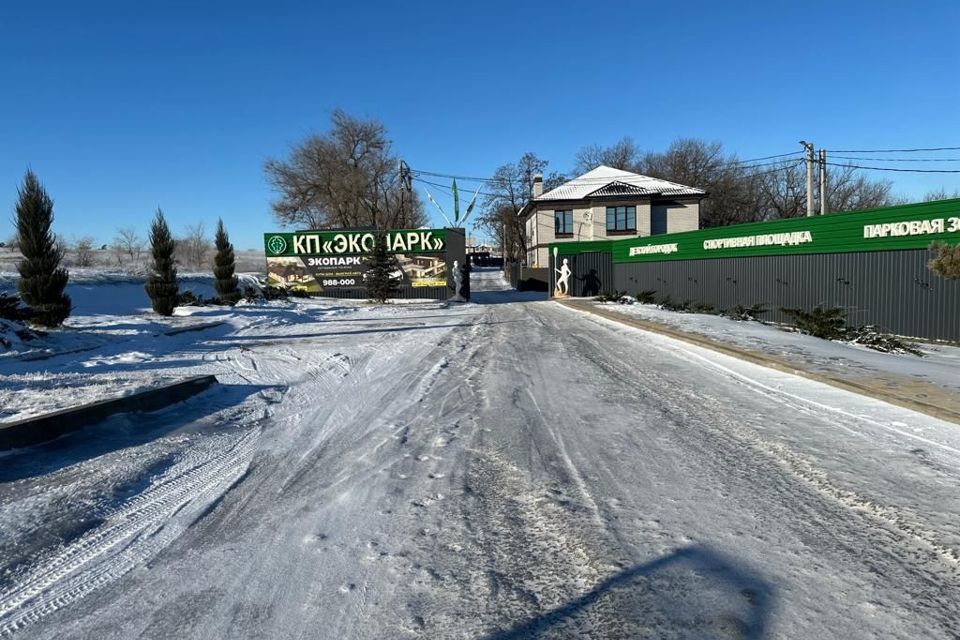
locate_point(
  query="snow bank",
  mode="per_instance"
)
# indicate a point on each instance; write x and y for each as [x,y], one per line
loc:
[939,365]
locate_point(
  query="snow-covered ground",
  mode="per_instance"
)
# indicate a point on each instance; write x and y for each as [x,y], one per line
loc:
[940,363]
[102,349]
[507,468]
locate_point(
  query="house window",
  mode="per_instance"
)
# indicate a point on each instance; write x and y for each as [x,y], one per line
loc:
[621,219]
[563,223]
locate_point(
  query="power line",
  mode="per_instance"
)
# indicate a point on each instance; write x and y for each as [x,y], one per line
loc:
[897,159]
[594,181]
[780,166]
[744,164]
[854,166]
[788,165]
[779,155]
[893,150]
[446,189]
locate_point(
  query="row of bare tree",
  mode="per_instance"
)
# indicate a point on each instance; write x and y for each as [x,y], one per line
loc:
[737,192]
[128,248]
[348,177]
[194,248]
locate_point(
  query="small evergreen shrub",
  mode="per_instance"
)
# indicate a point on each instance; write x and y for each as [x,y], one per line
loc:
[190,299]
[224,266]
[680,307]
[829,323]
[646,296]
[42,279]
[274,293]
[162,282]
[703,307]
[251,294]
[871,337]
[741,313]
[613,296]
[379,277]
[946,260]
[10,308]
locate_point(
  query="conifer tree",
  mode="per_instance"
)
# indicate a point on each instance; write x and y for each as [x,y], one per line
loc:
[42,279]
[162,281]
[381,266]
[224,265]
[946,260]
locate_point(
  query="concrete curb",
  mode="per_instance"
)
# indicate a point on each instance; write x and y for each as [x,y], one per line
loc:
[31,431]
[949,411]
[187,329]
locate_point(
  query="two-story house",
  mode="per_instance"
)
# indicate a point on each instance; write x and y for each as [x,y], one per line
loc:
[606,203]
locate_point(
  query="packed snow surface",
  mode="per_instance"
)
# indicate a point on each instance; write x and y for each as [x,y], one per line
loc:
[507,468]
[939,363]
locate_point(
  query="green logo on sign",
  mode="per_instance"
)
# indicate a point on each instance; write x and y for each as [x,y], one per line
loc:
[277,245]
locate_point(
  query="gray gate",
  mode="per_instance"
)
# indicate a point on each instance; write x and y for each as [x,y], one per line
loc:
[591,273]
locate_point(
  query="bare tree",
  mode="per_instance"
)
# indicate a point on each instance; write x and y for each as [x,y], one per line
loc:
[127,246]
[705,165]
[941,194]
[624,154]
[848,189]
[782,192]
[346,177]
[194,247]
[83,252]
[737,191]
[778,192]
[508,190]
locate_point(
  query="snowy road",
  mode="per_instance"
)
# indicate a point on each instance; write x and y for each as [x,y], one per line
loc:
[504,469]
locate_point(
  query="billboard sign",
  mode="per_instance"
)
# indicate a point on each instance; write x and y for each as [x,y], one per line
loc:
[322,261]
[912,226]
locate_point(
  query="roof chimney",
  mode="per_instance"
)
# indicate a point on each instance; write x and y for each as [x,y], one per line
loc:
[537,185]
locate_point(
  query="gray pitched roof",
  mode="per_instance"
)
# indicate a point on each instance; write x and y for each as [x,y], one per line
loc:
[607,181]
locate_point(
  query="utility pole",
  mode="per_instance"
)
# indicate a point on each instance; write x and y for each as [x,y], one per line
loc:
[809,147]
[402,185]
[823,182]
[406,185]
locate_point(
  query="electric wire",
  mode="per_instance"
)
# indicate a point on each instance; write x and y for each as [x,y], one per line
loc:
[898,170]
[894,159]
[895,150]
[745,164]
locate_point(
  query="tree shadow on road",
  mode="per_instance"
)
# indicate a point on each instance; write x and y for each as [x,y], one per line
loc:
[507,296]
[693,592]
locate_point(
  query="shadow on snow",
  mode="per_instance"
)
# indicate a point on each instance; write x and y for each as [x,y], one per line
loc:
[692,592]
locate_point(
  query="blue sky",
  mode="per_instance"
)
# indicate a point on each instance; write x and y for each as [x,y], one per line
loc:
[123,106]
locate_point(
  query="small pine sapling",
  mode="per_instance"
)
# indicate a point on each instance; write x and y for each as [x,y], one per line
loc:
[162,282]
[42,279]
[224,265]
[380,275]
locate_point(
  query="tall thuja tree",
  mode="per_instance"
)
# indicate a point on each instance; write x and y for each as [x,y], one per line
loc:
[224,265]
[42,279]
[162,282]
[381,266]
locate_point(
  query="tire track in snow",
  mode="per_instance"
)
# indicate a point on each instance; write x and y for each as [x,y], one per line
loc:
[802,467]
[129,536]
[862,531]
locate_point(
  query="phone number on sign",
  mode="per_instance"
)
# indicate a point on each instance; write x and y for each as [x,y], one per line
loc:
[341,282]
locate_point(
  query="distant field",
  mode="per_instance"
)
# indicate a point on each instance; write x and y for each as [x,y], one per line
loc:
[106,260]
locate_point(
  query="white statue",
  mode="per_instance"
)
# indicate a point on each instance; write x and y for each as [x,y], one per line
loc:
[457,282]
[562,282]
